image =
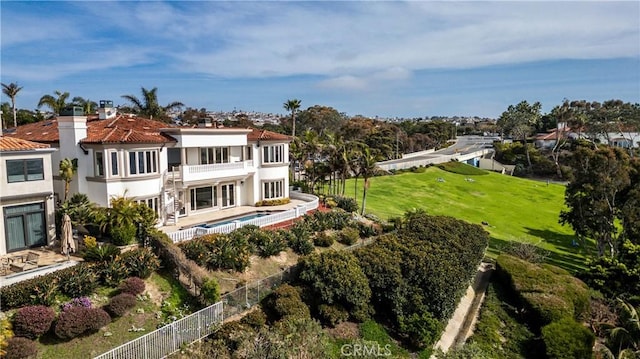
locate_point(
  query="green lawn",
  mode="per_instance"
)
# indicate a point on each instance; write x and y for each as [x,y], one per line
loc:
[514,208]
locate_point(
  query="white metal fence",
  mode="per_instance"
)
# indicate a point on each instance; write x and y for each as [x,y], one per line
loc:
[168,339]
[312,203]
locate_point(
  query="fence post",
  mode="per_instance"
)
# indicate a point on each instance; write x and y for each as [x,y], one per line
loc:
[173,333]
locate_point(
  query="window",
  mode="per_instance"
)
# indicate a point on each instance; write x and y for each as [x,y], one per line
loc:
[99,168]
[249,151]
[114,163]
[25,170]
[141,162]
[228,195]
[273,189]
[273,154]
[25,226]
[150,202]
[203,197]
[211,155]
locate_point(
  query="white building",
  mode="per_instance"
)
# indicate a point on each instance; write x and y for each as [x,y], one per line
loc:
[175,170]
[26,195]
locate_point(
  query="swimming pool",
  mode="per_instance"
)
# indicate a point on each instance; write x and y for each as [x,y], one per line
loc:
[244,218]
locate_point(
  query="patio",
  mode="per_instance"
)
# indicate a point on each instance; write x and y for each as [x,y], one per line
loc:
[29,263]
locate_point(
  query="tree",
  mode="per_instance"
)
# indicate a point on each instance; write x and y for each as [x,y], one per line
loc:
[68,168]
[368,168]
[593,197]
[148,106]
[293,106]
[87,105]
[519,121]
[57,103]
[11,90]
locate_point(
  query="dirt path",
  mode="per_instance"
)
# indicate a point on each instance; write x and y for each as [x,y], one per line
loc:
[460,326]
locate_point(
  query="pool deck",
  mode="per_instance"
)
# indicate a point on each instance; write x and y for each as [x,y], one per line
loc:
[191,221]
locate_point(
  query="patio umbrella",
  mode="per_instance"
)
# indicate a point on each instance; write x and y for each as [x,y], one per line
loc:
[68,245]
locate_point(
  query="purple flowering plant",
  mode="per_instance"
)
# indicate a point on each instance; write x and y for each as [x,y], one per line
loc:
[77,302]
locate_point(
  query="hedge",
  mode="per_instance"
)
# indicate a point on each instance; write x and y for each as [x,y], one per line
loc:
[548,294]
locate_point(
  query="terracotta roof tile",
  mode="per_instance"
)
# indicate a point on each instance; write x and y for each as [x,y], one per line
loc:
[18,144]
[121,129]
[265,135]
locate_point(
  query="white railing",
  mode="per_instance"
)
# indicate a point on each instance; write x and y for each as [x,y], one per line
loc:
[214,167]
[275,218]
[170,338]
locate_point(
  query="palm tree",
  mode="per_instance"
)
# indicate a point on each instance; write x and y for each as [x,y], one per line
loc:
[68,168]
[368,169]
[148,106]
[56,104]
[293,106]
[11,90]
[88,106]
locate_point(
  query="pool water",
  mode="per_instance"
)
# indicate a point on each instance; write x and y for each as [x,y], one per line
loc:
[241,219]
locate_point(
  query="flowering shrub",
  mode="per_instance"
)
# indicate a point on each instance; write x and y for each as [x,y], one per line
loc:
[90,241]
[141,262]
[120,304]
[21,348]
[80,320]
[5,334]
[77,302]
[33,321]
[133,285]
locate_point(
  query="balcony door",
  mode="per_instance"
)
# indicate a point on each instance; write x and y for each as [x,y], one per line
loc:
[228,195]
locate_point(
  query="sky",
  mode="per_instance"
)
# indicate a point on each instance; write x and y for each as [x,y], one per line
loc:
[370,58]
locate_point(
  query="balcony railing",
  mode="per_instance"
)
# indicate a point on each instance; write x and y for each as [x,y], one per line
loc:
[189,173]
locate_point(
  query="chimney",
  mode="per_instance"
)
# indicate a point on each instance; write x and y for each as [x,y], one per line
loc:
[72,128]
[106,110]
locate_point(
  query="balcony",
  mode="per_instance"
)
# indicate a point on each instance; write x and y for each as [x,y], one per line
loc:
[192,173]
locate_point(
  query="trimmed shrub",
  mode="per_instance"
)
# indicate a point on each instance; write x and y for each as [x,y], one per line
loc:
[272,202]
[567,339]
[120,304]
[141,262]
[265,243]
[123,235]
[33,321]
[348,236]
[422,330]
[21,348]
[133,286]
[210,291]
[323,239]
[80,320]
[101,253]
[333,314]
[300,241]
[38,290]
[80,280]
[349,204]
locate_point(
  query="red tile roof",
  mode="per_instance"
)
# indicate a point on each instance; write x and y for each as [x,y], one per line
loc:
[18,144]
[120,129]
[264,135]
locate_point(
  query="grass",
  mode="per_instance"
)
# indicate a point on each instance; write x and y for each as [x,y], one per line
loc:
[376,337]
[515,209]
[118,331]
[461,169]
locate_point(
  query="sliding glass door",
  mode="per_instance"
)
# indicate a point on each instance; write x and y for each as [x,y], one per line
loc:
[25,226]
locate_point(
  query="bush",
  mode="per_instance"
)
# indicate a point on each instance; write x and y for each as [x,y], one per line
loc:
[80,320]
[348,236]
[266,243]
[141,262]
[272,202]
[300,241]
[366,230]
[33,321]
[113,272]
[5,334]
[219,251]
[38,290]
[133,286]
[77,302]
[567,339]
[120,304]
[255,319]
[422,330]
[21,348]
[80,280]
[103,253]
[123,235]
[349,204]
[323,239]
[283,302]
[210,291]
[333,314]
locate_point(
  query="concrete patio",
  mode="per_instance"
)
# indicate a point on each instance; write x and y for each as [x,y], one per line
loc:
[49,260]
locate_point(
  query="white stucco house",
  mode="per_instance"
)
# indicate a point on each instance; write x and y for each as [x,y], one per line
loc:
[177,171]
[26,195]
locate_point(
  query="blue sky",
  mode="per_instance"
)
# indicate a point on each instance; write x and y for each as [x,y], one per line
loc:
[404,59]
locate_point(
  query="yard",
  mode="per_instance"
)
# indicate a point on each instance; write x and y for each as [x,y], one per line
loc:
[514,209]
